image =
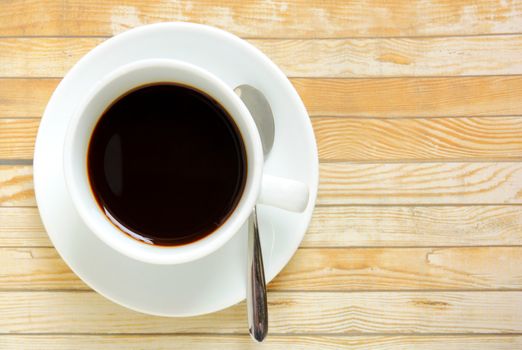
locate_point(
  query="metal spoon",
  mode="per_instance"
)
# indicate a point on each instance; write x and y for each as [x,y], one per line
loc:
[257,310]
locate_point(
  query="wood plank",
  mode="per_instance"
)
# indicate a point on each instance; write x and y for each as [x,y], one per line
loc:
[413,226]
[285,19]
[452,56]
[420,184]
[265,19]
[16,185]
[346,269]
[18,137]
[327,313]
[447,139]
[356,139]
[348,227]
[352,269]
[372,97]
[22,227]
[31,17]
[36,268]
[318,300]
[274,342]
[25,97]
[411,97]
[365,184]
[42,57]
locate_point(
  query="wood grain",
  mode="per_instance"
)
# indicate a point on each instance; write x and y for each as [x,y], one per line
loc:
[22,227]
[324,18]
[326,313]
[276,342]
[402,269]
[416,241]
[365,184]
[413,226]
[18,137]
[395,57]
[356,139]
[16,185]
[31,17]
[357,226]
[339,58]
[42,57]
[25,97]
[448,139]
[35,268]
[372,97]
[265,19]
[417,183]
[347,269]
[411,97]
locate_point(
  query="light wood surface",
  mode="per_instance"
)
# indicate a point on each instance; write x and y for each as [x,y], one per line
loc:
[368,184]
[488,96]
[319,269]
[280,342]
[300,19]
[349,226]
[362,140]
[494,312]
[339,58]
[416,241]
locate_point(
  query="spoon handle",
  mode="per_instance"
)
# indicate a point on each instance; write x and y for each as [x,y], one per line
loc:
[256,288]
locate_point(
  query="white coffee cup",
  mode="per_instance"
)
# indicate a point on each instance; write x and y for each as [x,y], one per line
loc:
[260,188]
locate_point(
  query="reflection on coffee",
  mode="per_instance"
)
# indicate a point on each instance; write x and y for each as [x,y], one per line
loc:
[167,164]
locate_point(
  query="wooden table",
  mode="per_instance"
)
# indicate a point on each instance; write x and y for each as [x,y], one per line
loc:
[416,241]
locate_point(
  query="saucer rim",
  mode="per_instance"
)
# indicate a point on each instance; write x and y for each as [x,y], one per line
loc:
[219,34]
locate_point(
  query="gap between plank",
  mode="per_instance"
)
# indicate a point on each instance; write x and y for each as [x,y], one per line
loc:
[422,161]
[317,38]
[283,291]
[358,117]
[328,77]
[343,205]
[409,205]
[345,247]
[316,334]
[16,162]
[355,162]
[395,117]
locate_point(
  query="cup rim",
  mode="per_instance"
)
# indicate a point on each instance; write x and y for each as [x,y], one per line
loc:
[98,222]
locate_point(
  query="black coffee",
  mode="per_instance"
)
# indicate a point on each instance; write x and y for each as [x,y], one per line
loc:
[167,164]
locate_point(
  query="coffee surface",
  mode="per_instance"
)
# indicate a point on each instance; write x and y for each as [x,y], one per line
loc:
[166,164]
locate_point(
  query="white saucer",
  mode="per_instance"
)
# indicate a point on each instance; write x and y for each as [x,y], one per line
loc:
[218,280]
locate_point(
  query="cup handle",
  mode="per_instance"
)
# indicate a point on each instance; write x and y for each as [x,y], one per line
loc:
[283,193]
